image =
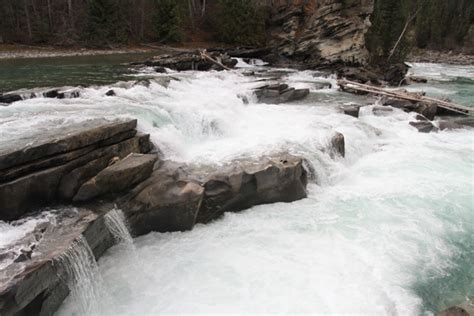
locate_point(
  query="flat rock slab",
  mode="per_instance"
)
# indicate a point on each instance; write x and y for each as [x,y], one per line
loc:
[279,93]
[60,140]
[118,177]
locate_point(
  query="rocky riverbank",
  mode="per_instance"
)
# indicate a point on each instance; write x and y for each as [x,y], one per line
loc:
[25,51]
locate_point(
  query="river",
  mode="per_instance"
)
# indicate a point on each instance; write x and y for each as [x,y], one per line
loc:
[388,230]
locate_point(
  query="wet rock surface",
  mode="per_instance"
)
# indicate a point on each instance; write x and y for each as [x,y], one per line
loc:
[38,284]
[177,196]
[279,93]
[424,126]
[9,98]
[188,61]
[321,32]
[52,167]
[118,177]
[338,145]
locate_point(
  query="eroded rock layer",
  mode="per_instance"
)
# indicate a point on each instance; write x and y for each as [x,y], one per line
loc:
[319,32]
[52,167]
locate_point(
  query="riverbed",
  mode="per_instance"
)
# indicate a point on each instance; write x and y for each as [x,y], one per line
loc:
[387,230]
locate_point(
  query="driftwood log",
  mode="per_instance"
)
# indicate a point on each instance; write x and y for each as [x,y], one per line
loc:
[352,86]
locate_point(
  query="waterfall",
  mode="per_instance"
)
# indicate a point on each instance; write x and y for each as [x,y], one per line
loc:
[82,274]
[83,277]
[115,221]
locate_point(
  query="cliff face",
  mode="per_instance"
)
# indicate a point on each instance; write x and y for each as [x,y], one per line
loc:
[321,32]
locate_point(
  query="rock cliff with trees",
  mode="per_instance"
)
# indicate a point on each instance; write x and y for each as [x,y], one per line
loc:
[316,32]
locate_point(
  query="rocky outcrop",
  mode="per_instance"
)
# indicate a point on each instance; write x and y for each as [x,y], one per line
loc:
[279,93]
[189,61]
[177,196]
[319,32]
[52,168]
[38,283]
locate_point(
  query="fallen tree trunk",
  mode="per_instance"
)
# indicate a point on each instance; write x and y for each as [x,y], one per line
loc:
[347,85]
[205,56]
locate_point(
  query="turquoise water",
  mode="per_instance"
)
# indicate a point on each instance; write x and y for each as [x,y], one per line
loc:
[446,81]
[29,73]
[388,230]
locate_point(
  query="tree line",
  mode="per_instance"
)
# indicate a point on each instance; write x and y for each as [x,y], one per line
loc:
[438,24]
[109,22]
[435,24]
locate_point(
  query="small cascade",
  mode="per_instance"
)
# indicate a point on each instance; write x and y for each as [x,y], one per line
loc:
[83,278]
[115,221]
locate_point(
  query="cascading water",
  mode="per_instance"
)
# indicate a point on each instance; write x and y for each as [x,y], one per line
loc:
[388,230]
[83,278]
[115,221]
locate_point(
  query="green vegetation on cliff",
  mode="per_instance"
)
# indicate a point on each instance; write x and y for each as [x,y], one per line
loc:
[435,24]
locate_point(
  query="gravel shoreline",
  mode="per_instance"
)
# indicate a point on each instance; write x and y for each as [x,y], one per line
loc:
[15,52]
[429,56]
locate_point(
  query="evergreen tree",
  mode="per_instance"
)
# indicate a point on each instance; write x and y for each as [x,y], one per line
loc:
[240,22]
[105,22]
[388,22]
[167,21]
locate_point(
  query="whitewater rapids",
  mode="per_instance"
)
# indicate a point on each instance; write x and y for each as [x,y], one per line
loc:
[389,230]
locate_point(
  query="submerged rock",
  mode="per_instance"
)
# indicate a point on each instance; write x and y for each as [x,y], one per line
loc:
[454,311]
[10,98]
[338,145]
[54,94]
[424,126]
[456,123]
[110,93]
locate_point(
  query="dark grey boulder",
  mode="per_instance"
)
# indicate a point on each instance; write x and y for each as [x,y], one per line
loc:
[424,126]
[352,110]
[167,201]
[243,184]
[279,93]
[427,110]
[110,93]
[118,177]
[53,94]
[10,98]
[338,145]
